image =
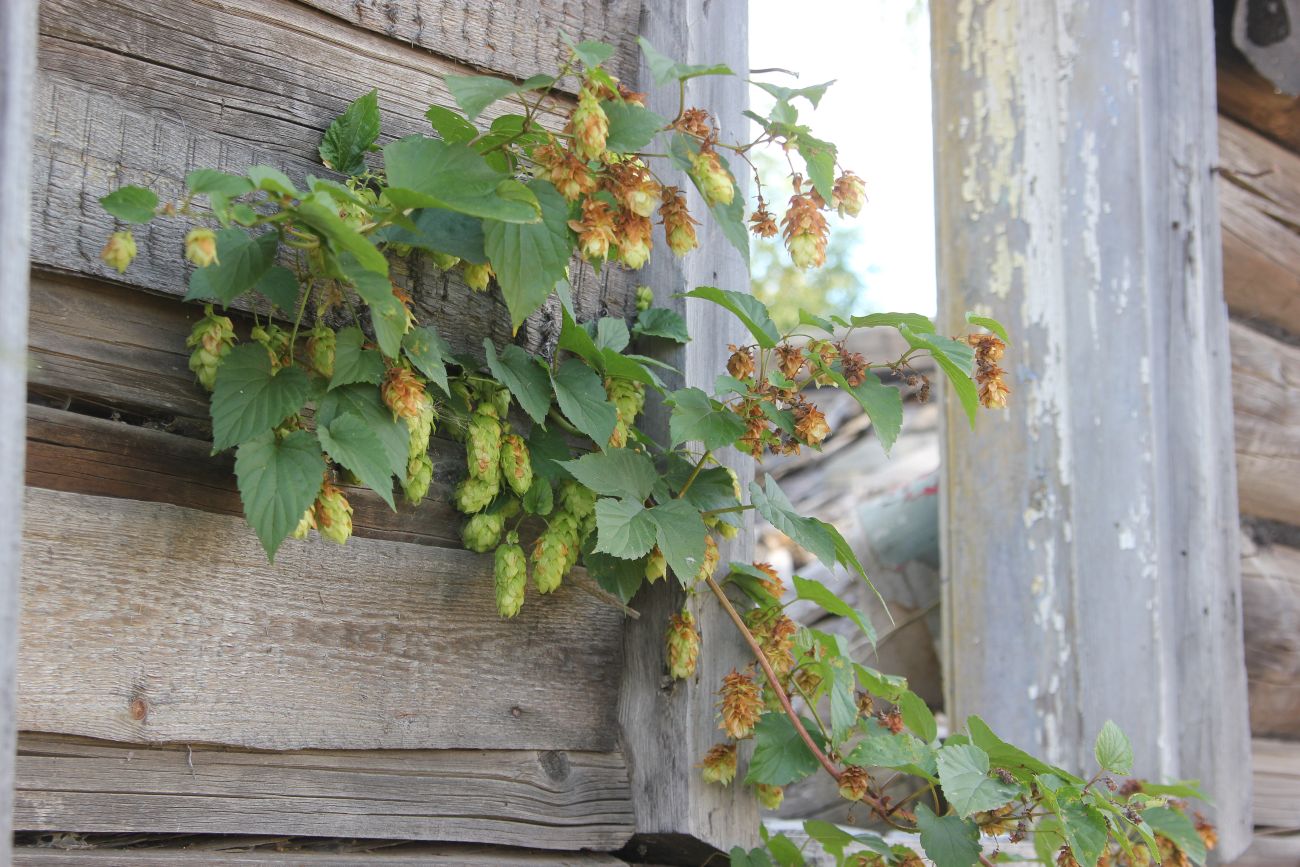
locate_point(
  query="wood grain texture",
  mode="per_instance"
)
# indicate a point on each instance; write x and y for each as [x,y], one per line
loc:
[669,725]
[1270,586]
[129,94]
[153,624]
[1248,98]
[448,855]
[545,800]
[519,38]
[1095,507]
[1259,205]
[1266,403]
[17,77]
[1277,783]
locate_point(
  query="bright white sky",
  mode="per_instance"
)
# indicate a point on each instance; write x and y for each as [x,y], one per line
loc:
[878,112]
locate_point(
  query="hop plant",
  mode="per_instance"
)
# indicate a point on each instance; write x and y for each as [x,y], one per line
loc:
[483,445]
[711,558]
[740,704]
[849,194]
[418,479]
[276,341]
[679,225]
[333,514]
[516,466]
[683,645]
[321,341]
[474,495]
[645,298]
[477,277]
[551,552]
[806,232]
[403,392]
[421,426]
[483,531]
[589,125]
[120,251]
[510,569]
[306,524]
[714,181]
[656,566]
[854,782]
[210,339]
[628,398]
[201,247]
[719,764]
[445,261]
[770,797]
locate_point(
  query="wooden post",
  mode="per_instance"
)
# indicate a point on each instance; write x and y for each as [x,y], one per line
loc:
[669,725]
[17,71]
[1090,531]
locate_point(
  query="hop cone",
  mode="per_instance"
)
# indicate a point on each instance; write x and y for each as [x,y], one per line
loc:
[516,465]
[445,261]
[320,349]
[551,553]
[589,125]
[483,445]
[419,476]
[719,765]
[511,571]
[211,339]
[579,501]
[683,645]
[769,796]
[483,531]
[119,251]
[711,557]
[474,495]
[656,566]
[741,703]
[645,298]
[853,783]
[333,514]
[421,427]
[628,398]
[305,525]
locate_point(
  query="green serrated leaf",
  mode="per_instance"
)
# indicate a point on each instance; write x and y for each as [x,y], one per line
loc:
[241,262]
[662,322]
[955,364]
[889,750]
[917,716]
[428,173]
[202,182]
[591,52]
[531,258]
[278,482]
[680,532]
[131,204]
[387,314]
[428,352]
[548,449]
[1004,755]
[819,156]
[279,285]
[440,231]
[617,576]
[780,755]
[250,398]
[473,93]
[349,441]
[634,367]
[539,499]
[991,324]
[964,775]
[352,363]
[1086,832]
[1178,828]
[915,321]
[817,593]
[616,473]
[631,126]
[272,180]
[1113,751]
[624,528]
[832,838]
[524,375]
[612,333]
[577,340]
[806,318]
[581,396]
[844,707]
[450,126]
[749,310]
[948,841]
[320,212]
[351,134]
[665,69]
[809,533]
[698,418]
[364,401]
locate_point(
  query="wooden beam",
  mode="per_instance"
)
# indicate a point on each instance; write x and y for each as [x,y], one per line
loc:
[1076,202]
[150,623]
[545,800]
[1270,586]
[669,725]
[17,71]
[1266,403]
[1259,205]
[1248,98]
[1277,783]
[450,855]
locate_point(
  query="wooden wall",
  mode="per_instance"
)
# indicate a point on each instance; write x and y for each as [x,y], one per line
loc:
[170,680]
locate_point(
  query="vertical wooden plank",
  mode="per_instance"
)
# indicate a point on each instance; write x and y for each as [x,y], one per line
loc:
[17,71]
[669,725]
[1089,533]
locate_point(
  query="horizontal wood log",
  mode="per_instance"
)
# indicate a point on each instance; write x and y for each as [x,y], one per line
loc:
[519,38]
[149,623]
[1248,98]
[547,800]
[128,94]
[1276,783]
[1266,413]
[1259,206]
[1270,587]
[451,855]
[1269,851]
[67,451]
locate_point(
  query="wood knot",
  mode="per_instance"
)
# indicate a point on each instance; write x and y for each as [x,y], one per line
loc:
[555,764]
[139,709]
[516,711]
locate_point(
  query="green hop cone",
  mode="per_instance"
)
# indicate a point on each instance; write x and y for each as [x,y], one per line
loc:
[119,251]
[770,797]
[333,514]
[645,298]
[483,531]
[445,261]
[510,568]
[483,445]
[719,764]
[656,566]
[276,341]
[552,552]
[516,465]
[211,339]
[419,477]
[628,398]
[421,427]
[320,349]
[683,645]
[474,495]
[577,499]
[727,531]
[477,276]
[305,525]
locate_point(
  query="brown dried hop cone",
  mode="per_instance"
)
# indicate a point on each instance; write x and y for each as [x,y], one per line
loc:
[711,557]
[419,477]
[741,703]
[849,194]
[995,822]
[403,392]
[719,764]
[483,531]
[588,124]
[853,783]
[805,231]
[211,339]
[483,444]
[510,568]
[321,341]
[683,645]
[516,466]
[333,514]
[770,797]
[679,225]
